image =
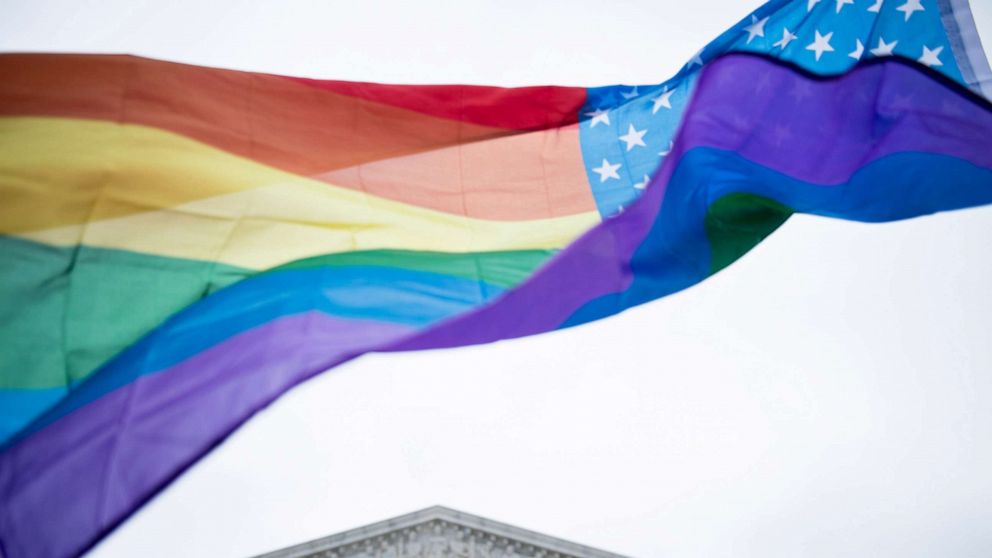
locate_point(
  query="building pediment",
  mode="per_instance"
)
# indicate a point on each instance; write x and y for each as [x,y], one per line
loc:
[439,532]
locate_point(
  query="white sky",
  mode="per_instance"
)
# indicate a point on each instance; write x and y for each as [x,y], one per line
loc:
[828,395]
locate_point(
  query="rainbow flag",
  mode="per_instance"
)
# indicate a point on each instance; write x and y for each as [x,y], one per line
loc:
[182,245]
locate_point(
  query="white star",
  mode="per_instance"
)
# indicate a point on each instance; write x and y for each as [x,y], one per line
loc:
[599,115]
[667,150]
[821,44]
[876,7]
[787,37]
[884,48]
[643,184]
[630,94]
[810,4]
[607,171]
[859,51]
[910,7]
[633,137]
[663,100]
[757,28]
[696,59]
[931,57]
[842,3]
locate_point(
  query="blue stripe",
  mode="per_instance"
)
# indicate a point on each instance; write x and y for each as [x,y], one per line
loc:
[676,253]
[394,295]
[21,405]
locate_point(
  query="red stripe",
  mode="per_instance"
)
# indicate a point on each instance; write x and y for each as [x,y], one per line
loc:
[520,108]
[333,131]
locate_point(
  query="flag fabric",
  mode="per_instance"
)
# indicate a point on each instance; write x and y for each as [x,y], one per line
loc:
[182,245]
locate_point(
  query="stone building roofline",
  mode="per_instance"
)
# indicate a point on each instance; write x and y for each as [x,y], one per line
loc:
[550,545]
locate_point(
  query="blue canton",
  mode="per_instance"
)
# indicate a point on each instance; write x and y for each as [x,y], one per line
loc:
[626,131]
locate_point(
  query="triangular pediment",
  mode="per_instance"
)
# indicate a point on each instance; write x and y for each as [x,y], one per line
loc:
[439,532]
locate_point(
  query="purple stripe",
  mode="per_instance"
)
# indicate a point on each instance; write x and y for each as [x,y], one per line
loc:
[820,130]
[76,479]
[814,129]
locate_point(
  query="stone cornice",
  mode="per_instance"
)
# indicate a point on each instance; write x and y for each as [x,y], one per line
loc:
[439,532]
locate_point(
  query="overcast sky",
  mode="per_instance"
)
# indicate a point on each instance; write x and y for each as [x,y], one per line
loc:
[828,395]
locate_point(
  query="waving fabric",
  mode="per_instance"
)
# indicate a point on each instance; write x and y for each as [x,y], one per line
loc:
[182,245]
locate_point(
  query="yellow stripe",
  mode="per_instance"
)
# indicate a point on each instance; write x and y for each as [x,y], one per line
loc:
[67,182]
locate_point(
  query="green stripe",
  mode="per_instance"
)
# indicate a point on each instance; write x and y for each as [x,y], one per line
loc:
[503,269]
[65,311]
[736,223]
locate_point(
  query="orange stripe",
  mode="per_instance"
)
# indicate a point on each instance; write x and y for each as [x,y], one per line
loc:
[528,176]
[299,128]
